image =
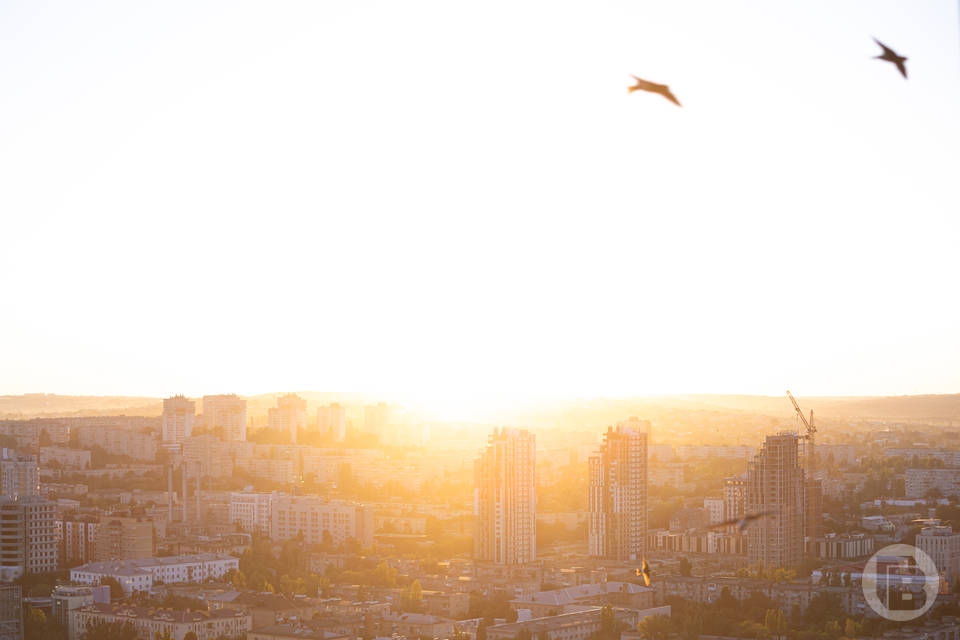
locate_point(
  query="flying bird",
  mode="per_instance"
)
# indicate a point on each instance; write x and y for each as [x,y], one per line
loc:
[653,87]
[644,572]
[743,522]
[891,56]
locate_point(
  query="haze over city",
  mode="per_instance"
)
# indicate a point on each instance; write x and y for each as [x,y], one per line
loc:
[423,320]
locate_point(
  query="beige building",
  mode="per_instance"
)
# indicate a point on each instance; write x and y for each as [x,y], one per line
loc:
[70,458]
[943,547]
[177,419]
[154,622]
[312,516]
[226,414]
[289,415]
[332,421]
[120,442]
[124,538]
[76,539]
[505,499]
[775,483]
[617,498]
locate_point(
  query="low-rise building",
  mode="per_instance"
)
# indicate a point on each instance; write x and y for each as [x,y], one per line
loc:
[841,547]
[141,574]
[555,601]
[580,625]
[151,622]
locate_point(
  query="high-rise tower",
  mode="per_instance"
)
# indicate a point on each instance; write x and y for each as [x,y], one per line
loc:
[177,421]
[505,499]
[618,493]
[775,484]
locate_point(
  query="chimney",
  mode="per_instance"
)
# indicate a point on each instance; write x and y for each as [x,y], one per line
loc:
[198,494]
[170,494]
[183,470]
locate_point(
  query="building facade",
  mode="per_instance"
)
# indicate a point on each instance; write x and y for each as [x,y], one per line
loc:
[505,499]
[226,414]
[775,485]
[19,475]
[617,500]
[177,419]
[289,415]
[943,547]
[320,520]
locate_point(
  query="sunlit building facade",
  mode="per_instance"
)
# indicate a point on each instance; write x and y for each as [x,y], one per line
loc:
[177,419]
[617,521]
[505,499]
[775,484]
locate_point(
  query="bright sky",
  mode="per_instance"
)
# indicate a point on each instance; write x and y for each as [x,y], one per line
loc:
[453,198]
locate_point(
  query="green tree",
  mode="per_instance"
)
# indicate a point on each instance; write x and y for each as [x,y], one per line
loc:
[190,635]
[110,631]
[655,628]
[686,569]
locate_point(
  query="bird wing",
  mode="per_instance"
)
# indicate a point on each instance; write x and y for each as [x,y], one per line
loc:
[725,523]
[902,67]
[885,48]
[666,93]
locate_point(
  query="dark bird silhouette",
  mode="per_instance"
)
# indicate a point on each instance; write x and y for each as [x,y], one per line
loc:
[644,572]
[653,87]
[744,522]
[891,56]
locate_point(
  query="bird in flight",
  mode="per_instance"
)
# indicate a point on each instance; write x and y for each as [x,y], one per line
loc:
[653,87]
[742,522]
[891,56]
[644,572]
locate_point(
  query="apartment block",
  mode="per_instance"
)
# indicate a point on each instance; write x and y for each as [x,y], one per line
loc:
[28,542]
[64,457]
[19,475]
[943,547]
[775,484]
[119,442]
[155,623]
[124,538]
[617,499]
[141,574]
[227,415]
[289,415]
[252,511]
[919,481]
[313,517]
[332,421]
[505,499]
[177,419]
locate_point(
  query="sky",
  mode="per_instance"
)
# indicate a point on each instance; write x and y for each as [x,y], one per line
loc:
[459,199]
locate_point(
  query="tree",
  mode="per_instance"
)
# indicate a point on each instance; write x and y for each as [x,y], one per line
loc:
[655,628]
[416,592]
[190,635]
[482,630]
[110,631]
[686,569]
[116,589]
[524,634]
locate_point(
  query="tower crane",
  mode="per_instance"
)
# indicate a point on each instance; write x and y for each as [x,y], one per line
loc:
[813,517]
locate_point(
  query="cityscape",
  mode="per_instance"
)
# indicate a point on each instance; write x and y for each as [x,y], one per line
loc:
[500,320]
[336,516]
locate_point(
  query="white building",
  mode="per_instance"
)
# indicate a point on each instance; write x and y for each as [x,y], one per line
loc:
[715,508]
[943,547]
[252,511]
[19,475]
[919,481]
[177,419]
[142,573]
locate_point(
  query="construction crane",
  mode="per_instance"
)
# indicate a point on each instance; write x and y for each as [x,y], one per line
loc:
[813,517]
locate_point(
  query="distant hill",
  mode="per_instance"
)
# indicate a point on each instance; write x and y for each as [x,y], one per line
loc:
[573,412]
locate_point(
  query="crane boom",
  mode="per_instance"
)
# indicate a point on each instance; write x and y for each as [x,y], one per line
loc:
[808,424]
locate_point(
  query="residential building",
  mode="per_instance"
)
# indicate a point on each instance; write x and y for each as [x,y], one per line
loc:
[918,482]
[207,456]
[840,547]
[580,625]
[943,547]
[775,484]
[226,415]
[252,511]
[19,475]
[691,518]
[177,418]
[617,498]
[734,498]
[28,542]
[598,594]
[714,508]
[66,598]
[505,499]
[64,457]
[289,415]
[152,622]
[320,520]
[124,538]
[376,418]
[142,573]
[11,612]
[741,452]
[332,421]
[76,539]
[119,441]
